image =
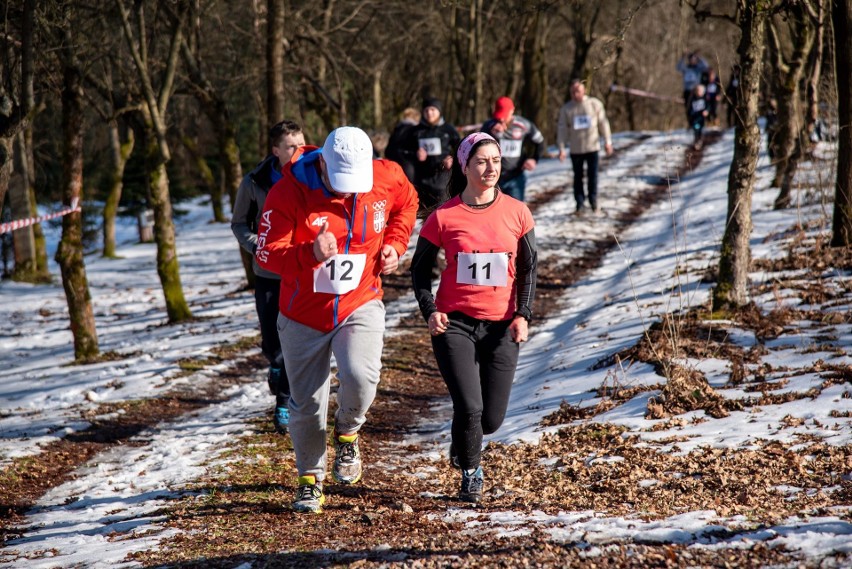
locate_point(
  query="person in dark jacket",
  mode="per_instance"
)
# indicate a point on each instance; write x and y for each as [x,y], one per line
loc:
[732,93]
[697,111]
[284,139]
[431,145]
[713,94]
[521,145]
[395,150]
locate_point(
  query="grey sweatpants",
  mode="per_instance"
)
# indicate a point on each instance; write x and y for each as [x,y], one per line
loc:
[357,347]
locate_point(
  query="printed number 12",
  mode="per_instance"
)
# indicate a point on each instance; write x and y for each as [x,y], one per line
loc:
[347,265]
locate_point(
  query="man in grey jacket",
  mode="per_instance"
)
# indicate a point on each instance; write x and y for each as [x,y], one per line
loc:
[284,138]
[582,122]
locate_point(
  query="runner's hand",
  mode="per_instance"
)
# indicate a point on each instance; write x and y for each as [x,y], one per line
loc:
[608,149]
[529,164]
[438,323]
[389,259]
[325,245]
[519,329]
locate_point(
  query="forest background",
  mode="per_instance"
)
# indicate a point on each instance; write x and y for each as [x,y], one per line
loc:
[132,106]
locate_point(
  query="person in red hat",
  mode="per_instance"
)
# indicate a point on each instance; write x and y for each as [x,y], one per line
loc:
[521,144]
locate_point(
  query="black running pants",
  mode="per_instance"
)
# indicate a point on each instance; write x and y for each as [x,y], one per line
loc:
[477,360]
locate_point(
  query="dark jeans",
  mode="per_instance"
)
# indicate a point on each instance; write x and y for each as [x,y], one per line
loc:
[266,301]
[697,128]
[477,360]
[516,187]
[591,161]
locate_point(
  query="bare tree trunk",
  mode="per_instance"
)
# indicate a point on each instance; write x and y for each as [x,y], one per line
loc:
[168,267]
[479,107]
[69,255]
[377,97]
[216,109]
[120,151]
[25,139]
[583,23]
[274,62]
[732,288]
[25,252]
[788,75]
[157,154]
[814,74]
[841,17]
[207,179]
[534,90]
[5,167]
[27,163]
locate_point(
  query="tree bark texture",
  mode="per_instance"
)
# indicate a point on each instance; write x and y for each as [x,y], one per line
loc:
[274,62]
[27,164]
[24,238]
[5,167]
[841,16]
[120,151]
[69,254]
[788,77]
[534,91]
[157,154]
[216,109]
[168,267]
[732,288]
[206,179]
[25,137]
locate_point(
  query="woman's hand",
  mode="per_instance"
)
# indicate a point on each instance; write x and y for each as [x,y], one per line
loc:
[438,323]
[519,329]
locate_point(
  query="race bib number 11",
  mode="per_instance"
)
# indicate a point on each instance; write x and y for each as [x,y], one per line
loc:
[340,274]
[483,269]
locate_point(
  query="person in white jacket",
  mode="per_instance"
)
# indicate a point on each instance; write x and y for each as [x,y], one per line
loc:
[582,123]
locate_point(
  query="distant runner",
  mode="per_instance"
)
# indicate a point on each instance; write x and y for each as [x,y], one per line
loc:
[582,122]
[429,147]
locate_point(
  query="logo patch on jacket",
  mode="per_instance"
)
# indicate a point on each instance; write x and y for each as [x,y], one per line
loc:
[379,215]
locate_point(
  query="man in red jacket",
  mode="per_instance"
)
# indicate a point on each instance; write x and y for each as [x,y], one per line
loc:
[335,221]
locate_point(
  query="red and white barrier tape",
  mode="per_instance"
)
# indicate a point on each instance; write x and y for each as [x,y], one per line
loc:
[21,223]
[648,94]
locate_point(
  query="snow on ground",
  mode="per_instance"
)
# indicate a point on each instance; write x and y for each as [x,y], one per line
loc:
[112,507]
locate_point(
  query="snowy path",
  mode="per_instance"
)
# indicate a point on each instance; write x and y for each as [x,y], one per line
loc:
[113,506]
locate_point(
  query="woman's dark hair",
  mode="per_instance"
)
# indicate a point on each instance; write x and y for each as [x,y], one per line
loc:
[458,181]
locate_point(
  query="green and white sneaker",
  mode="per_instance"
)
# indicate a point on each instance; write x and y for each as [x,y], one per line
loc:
[347,459]
[309,496]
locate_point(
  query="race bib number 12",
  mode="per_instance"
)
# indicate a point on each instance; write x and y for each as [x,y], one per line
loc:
[483,269]
[340,274]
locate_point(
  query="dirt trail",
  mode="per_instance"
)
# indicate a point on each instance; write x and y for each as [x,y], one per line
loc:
[390,509]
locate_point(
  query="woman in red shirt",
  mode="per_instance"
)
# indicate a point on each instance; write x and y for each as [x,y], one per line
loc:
[483,305]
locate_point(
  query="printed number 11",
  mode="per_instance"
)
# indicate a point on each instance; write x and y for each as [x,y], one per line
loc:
[486,267]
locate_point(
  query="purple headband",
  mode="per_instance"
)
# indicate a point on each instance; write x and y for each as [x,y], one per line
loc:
[467,144]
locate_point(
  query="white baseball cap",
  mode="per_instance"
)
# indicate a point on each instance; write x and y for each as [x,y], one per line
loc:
[348,155]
